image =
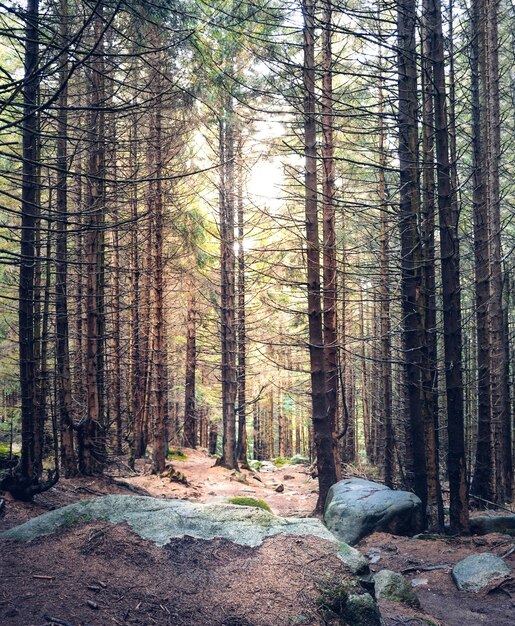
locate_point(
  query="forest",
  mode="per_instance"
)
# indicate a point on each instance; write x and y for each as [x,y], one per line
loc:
[259,234]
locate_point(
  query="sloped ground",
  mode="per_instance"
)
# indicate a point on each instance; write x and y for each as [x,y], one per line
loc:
[102,574]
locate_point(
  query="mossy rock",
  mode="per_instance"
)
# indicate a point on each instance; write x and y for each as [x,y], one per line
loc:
[393,586]
[248,501]
[362,610]
[281,461]
[344,602]
[176,455]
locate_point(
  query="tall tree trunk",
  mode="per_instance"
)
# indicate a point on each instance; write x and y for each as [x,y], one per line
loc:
[427,228]
[190,412]
[413,329]
[482,485]
[322,426]
[501,421]
[29,210]
[330,297]
[228,266]
[451,294]
[68,460]
[242,332]
[347,433]
[90,429]
[365,391]
[385,386]
[158,331]
[135,409]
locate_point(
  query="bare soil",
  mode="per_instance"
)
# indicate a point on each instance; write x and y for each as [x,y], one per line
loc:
[435,588]
[98,574]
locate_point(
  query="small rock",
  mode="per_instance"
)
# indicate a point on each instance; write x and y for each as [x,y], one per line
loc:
[288,477]
[362,610]
[393,586]
[238,476]
[478,570]
[279,488]
[418,582]
[374,555]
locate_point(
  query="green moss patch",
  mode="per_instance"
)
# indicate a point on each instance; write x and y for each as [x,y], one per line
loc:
[254,502]
[176,455]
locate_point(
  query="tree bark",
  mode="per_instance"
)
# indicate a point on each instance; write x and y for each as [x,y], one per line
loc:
[451,292]
[228,264]
[90,429]
[322,426]
[330,292]
[413,329]
[482,485]
[190,412]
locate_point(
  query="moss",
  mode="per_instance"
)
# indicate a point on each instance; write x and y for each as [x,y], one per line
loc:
[176,455]
[256,465]
[254,502]
[333,598]
[393,586]
[70,519]
[4,449]
[280,461]
[341,601]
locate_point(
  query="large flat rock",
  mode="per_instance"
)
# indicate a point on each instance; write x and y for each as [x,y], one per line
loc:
[356,508]
[161,520]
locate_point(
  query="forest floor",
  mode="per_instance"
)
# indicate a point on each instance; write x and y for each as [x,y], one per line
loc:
[98,574]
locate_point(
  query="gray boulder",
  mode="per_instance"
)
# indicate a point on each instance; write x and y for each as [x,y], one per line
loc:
[161,520]
[393,586]
[484,524]
[478,570]
[356,508]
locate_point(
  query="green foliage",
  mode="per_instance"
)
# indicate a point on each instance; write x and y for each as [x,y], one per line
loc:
[253,502]
[280,461]
[176,455]
[298,459]
[256,465]
[334,595]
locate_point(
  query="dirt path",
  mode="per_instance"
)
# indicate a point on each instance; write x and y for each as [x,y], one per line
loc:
[208,483]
